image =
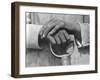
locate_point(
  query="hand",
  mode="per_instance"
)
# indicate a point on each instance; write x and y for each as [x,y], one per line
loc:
[54,25]
[58,38]
[61,42]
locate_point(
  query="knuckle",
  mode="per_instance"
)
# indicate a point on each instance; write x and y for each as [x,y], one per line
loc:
[60,32]
[61,23]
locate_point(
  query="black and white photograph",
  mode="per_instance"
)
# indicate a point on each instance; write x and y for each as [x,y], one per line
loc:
[57,39]
[51,39]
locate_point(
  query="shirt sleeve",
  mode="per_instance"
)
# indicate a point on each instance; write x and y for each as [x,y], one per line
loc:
[85,35]
[32,36]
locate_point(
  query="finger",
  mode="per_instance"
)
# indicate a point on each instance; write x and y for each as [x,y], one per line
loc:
[48,28]
[41,31]
[51,39]
[57,27]
[45,26]
[54,29]
[57,39]
[66,35]
[62,37]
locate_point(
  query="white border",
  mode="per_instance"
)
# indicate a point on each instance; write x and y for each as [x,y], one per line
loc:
[36,70]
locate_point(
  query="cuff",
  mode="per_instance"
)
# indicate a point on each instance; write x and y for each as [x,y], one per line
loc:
[85,35]
[32,36]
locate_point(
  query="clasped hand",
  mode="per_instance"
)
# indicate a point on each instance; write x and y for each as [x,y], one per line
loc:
[57,31]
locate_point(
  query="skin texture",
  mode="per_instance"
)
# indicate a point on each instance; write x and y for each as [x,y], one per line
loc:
[57,31]
[61,37]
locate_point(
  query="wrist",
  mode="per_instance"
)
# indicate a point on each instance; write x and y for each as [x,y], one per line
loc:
[77,32]
[72,27]
[77,27]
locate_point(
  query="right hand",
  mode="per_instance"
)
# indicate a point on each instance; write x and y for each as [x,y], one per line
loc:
[54,25]
[61,37]
[61,42]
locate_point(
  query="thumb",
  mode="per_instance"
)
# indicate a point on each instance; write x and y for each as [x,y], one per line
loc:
[51,39]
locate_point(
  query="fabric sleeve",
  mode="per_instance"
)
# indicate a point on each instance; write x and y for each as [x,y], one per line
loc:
[32,36]
[85,35]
